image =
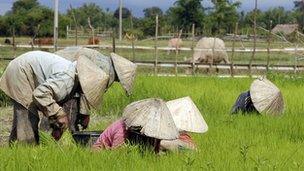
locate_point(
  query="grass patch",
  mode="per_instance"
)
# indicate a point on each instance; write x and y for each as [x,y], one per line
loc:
[238,142]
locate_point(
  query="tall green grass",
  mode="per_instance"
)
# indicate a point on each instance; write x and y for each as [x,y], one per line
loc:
[238,142]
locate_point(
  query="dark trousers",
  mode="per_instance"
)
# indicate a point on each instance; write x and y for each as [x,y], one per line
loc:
[26,124]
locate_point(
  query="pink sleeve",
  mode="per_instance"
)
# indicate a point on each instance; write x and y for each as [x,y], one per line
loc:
[114,136]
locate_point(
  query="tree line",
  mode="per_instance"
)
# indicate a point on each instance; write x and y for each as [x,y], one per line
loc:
[29,18]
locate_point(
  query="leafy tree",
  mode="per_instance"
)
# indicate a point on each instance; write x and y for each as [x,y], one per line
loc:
[299,9]
[24,5]
[88,10]
[126,13]
[26,15]
[110,21]
[184,13]
[152,12]
[3,28]
[278,15]
[224,15]
[147,23]
[259,18]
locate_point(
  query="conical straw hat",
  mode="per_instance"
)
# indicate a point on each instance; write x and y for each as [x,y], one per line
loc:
[154,118]
[186,115]
[70,53]
[266,97]
[104,62]
[125,70]
[93,80]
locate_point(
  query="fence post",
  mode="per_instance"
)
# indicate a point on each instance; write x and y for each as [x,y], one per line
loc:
[133,48]
[83,31]
[113,41]
[76,25]
[76,35]
[56,3]
[233,49]
[254,36]
[132,39]
[213,52]
[14,42]
[92,30]
[192,49]
[268,46]
[155,45]
[176,50]
[296,51]
[67,32]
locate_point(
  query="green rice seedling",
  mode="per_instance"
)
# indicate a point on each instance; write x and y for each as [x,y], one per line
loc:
[238,142]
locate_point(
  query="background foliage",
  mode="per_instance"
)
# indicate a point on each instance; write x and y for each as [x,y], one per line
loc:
[26,15]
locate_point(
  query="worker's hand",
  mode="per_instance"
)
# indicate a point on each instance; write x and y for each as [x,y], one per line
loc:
[83,121]
[57,134]
[63,122]
[59,123]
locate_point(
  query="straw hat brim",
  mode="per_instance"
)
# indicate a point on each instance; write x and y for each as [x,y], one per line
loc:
[70,53]
[186,115]
[125,70]
[93,80]
[102,61]
[266,97]
[154,118]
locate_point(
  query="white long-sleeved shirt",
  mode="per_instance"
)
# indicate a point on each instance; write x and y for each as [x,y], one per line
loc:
[40,78]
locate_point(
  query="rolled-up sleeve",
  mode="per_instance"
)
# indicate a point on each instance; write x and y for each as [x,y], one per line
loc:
[56,88]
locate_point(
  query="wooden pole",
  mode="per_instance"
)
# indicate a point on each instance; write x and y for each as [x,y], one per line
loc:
[14,41]
[155,44]
[268,45]
[133,48]
[176,50]
[55,24]
[35,35]
[113,41]
[192,49]
[76,35]
[296,51]
[213,53]
[120,20]
[132,39]
[92,30]
[233,49]
[254,36]
[67,32]
[76,25]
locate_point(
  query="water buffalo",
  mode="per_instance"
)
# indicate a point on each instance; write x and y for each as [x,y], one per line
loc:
[42,41]
[93,42]
[210,50]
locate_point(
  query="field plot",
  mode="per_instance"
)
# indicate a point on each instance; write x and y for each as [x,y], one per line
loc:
[238,142]
[142,54]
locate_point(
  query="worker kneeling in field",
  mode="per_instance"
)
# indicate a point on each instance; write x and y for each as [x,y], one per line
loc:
[150,122]
[263,97]
[41,82]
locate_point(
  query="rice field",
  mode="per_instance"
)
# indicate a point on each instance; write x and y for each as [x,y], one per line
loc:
[233,142]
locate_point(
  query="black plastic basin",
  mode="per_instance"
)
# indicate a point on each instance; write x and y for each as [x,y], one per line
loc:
[86,138]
